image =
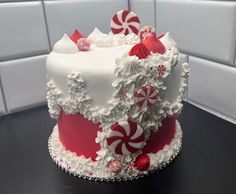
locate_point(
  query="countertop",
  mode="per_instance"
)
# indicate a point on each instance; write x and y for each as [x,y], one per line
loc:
[206,164]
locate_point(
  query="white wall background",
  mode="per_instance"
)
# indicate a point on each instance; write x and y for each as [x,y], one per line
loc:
[204,30]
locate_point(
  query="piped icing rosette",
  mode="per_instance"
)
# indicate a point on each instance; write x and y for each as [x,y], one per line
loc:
[139,50]
[65,46]
[95,34]
[130,66]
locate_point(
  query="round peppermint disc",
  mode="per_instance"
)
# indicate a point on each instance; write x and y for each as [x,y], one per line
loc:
[125,22]
[146,96]
[125,137]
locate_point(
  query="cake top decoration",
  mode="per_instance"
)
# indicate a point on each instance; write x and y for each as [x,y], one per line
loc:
[96,34]
[76,36]
[65,46]
[139,50]
[153,44]
[146,30]
[125,22]
[104,41]
[83,44]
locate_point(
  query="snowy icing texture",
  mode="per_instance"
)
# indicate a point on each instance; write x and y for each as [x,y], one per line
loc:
[114,171]
[65,46]
[130,66]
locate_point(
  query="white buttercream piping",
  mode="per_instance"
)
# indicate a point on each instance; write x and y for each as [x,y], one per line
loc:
[65,46]
[104,41]
[86,168]
[101,39]
[96,34]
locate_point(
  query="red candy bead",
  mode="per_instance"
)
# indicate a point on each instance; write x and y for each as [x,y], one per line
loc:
[83,44]
[142,162]
[146,30]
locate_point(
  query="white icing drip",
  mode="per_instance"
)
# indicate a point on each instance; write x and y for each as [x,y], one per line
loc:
[65,46]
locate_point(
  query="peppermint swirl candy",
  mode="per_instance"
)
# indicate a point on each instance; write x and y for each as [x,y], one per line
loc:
[125,22]
[125,137]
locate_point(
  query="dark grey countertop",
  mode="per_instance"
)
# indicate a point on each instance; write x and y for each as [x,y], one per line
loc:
[206,164]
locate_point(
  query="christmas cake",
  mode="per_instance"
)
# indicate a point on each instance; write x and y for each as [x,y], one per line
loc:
[115,98]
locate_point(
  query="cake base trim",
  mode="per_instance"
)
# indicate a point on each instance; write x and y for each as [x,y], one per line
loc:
[86,168]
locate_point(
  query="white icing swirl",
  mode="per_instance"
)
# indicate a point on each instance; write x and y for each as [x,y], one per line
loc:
[129,65]
[96,34]
[65,46]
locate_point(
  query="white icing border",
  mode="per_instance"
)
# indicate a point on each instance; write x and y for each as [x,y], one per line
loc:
[94,170]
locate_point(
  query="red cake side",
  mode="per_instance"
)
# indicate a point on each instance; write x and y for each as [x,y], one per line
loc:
[78,135]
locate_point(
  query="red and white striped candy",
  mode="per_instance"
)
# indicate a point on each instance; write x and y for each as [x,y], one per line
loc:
[125,22]
[83,44]
[146,30]
[125,137]
[146,96]
[115,165]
